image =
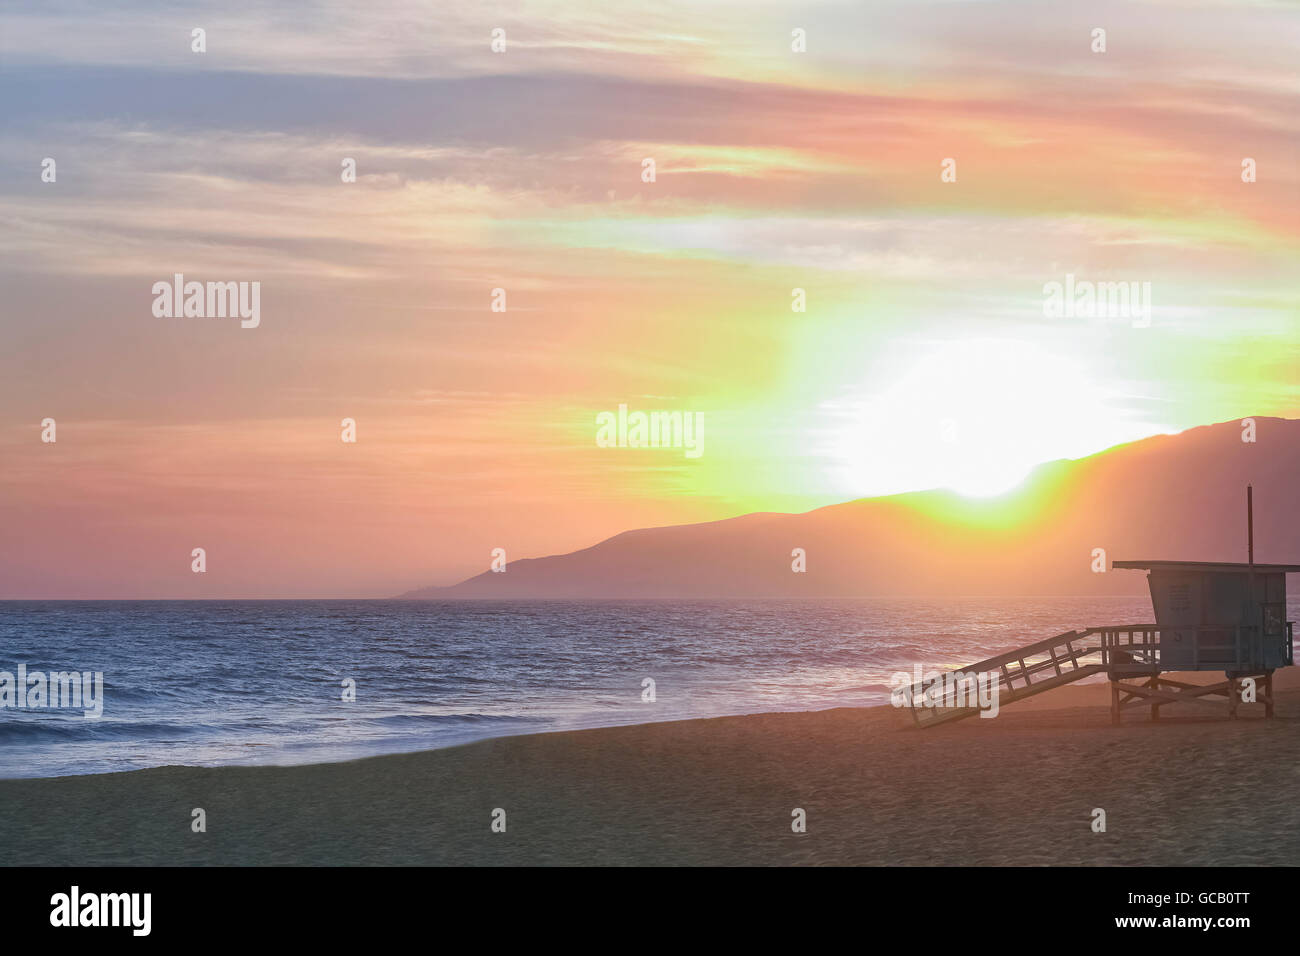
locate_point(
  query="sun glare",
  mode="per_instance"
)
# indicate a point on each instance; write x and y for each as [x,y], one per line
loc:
[974,416]
[990,481]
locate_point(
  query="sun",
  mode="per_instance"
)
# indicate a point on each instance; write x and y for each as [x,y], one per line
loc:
[973,416]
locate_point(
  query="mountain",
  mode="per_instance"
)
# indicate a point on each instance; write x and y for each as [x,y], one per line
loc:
[1174,497]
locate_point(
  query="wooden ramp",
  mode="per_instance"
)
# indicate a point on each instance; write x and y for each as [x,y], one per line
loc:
[1017,674]
[1122,652]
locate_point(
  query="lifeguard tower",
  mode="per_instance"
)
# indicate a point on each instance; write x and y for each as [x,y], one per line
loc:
[1211,616]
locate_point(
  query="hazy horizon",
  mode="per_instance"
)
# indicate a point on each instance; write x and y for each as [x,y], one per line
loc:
[1022,509]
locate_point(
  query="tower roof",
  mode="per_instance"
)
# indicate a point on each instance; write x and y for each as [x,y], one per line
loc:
[1224,567]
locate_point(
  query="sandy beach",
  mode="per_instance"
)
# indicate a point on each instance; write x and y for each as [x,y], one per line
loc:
[1016,790]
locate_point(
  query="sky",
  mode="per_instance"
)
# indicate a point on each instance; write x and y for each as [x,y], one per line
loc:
[922,172]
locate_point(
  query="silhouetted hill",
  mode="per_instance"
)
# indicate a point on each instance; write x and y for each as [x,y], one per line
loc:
[1171,497]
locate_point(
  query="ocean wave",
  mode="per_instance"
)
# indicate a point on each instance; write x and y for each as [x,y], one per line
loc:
[89,728]
[426,720]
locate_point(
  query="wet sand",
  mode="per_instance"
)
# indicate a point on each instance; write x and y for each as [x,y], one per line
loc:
[1016,790]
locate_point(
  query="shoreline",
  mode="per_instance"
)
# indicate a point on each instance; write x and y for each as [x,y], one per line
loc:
[1016,790]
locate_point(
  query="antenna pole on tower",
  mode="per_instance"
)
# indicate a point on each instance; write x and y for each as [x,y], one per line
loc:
[1250,526]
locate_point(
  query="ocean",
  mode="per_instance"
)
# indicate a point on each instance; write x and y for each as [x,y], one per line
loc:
[204,683]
